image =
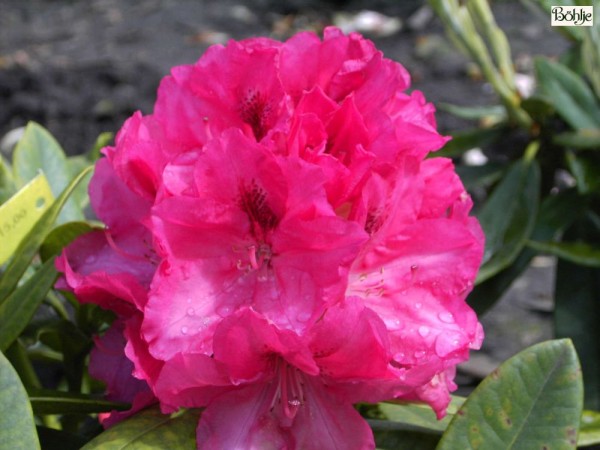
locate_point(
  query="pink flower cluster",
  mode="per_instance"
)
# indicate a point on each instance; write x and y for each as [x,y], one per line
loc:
[277,247]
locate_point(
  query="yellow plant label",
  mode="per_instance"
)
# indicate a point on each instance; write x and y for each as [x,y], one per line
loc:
[19,214]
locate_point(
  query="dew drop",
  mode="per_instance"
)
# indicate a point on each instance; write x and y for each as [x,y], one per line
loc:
[414,268]
[262,278]
[90,259]
[424,331]
[399,356]
[191,312]
[223,311]
[394,325]
[419,354]
[446,317]
[418,305]
[184,330]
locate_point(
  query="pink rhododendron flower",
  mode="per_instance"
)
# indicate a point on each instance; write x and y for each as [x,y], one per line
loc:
[278,248]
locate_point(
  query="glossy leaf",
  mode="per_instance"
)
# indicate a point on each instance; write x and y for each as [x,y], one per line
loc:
[36,150]
[45,401]
[533,400]
[19,307]
[573,100]
[508,217]
[580,253]
[17,428]
[30,245]
[150,429]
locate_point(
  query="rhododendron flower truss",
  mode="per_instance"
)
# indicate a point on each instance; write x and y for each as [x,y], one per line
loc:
[278,247]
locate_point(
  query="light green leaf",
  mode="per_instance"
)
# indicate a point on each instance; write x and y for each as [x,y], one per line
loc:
[587,138]
[36,150]
[7,183]
[573,100]
[533,400]
[495,112]
[508,217]
[44,401]
[150,429]
[580,253]
[589,431]
[17,429]
[30,245]
[18,309]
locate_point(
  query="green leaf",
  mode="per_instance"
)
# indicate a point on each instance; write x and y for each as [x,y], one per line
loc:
[508,217]
[62,236]
[466,140]
[538,107]
[573,100]
[17,429]
[496,112]
[150,429]
[580,253]
[45,401]
[589,431]
[404,440]
[533,400]
[585,167]
[7,183]
[557,212]
[64,337]
[419,416]
[76,165]
[587,138]
[36,150]
[30,245]
[19,307]
[480,176]
[577,315]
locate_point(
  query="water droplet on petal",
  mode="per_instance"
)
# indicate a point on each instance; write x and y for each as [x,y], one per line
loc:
[399,356]
[419,354]
[394,325]
[414,268]
[446,317]
[184,330]
[424,331]
[224,311]
[418,305]
[90,259]
[446,343]
[191,312]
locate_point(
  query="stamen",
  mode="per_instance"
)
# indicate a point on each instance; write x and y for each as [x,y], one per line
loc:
[120,251]
[289,392]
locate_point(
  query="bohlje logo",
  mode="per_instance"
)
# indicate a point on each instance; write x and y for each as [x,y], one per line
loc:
[569,16]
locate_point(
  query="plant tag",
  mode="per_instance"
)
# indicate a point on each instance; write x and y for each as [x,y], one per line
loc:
[19,214]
